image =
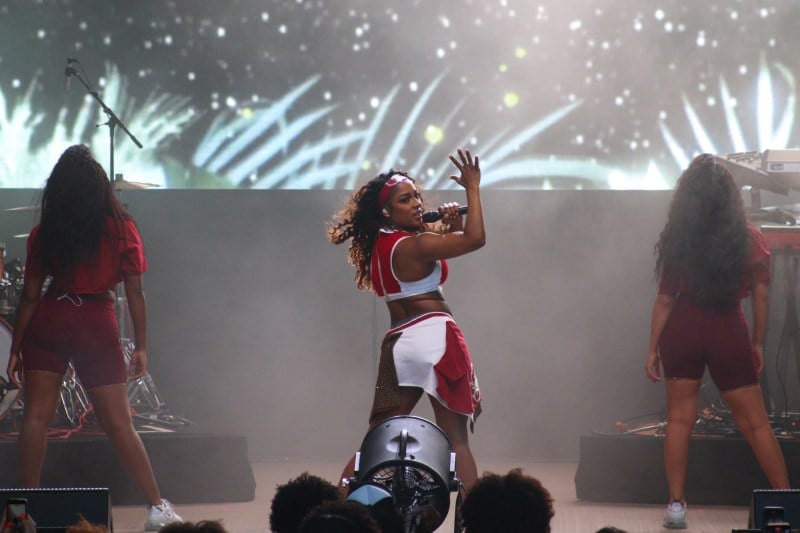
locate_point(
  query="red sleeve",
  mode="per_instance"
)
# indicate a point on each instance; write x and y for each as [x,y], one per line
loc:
[663,286]
[132,250]
[760,256]
[33,263]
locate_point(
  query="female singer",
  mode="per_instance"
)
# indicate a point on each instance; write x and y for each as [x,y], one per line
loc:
[402,260]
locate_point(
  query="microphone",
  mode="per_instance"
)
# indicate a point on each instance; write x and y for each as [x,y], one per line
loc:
[433,216]
[68,72]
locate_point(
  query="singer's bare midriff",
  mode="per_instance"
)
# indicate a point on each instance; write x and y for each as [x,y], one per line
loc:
[405,308]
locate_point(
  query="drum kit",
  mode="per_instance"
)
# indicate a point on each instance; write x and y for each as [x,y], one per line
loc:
[73,403]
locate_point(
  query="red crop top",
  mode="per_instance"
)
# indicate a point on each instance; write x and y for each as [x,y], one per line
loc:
[118,255]
[384,280]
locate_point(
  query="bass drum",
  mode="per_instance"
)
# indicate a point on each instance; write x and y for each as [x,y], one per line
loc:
[9,394]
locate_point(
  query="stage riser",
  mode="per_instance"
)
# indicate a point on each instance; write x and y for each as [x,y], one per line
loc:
[630,469]
[189,468]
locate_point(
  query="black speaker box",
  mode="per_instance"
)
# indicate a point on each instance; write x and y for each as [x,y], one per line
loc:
[58,508]
[789,499]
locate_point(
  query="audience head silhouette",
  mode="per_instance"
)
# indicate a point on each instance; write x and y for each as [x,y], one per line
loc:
[293,501]
[339,517]
[513,503]
[205,526]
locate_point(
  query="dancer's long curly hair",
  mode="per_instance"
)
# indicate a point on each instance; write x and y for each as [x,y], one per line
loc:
[360,220]
[705,244]
[76,203]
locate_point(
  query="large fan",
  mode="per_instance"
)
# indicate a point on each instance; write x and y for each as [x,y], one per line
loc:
[410,460]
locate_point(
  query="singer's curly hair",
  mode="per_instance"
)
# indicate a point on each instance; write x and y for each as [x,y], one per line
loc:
[360,220]
[705,244]
[76,204]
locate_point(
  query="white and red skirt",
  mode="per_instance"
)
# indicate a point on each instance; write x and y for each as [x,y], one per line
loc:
[428,352]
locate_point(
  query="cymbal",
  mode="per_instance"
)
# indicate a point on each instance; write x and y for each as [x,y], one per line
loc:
[123,185]
[23,209]
[21,235]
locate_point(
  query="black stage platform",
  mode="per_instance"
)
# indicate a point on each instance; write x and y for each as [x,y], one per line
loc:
[190,466]
[630,469]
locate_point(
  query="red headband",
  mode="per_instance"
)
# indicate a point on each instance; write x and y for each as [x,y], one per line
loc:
[388,187]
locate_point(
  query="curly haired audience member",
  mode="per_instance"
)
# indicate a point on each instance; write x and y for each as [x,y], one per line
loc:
[339,517]
[204,526]
[294,499]
[513,503]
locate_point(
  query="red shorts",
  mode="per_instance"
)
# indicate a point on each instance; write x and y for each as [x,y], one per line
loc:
[88,334]
[697,337]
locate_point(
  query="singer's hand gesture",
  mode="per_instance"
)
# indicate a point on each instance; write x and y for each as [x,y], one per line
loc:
[469,167]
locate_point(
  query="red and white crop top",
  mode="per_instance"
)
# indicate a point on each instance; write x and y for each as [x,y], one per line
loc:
[384,280]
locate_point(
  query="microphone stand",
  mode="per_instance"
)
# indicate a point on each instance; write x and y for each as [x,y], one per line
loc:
[113,119]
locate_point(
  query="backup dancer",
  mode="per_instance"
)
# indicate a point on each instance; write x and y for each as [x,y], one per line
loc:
[708,259]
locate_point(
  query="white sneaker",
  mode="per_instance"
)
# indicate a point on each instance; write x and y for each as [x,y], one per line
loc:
[675,517]
[160,515]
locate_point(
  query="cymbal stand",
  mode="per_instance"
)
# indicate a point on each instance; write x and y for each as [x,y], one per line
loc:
[73,401]
[143,395]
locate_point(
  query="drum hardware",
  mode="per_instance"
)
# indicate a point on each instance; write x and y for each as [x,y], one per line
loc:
[10,289]
[9,393]
[73,402]
[121,184]
[142,393]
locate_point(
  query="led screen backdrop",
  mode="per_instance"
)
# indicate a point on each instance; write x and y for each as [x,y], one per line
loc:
[323,94]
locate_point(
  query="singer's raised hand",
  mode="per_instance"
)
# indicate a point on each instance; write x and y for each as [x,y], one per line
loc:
[469,167]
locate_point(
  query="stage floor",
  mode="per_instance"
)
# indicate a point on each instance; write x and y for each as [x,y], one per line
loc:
[571,515]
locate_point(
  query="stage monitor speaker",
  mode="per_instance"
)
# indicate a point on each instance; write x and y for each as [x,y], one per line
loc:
[55,509]
[789,499]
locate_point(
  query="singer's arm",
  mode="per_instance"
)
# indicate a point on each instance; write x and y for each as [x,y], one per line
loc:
[429,247]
